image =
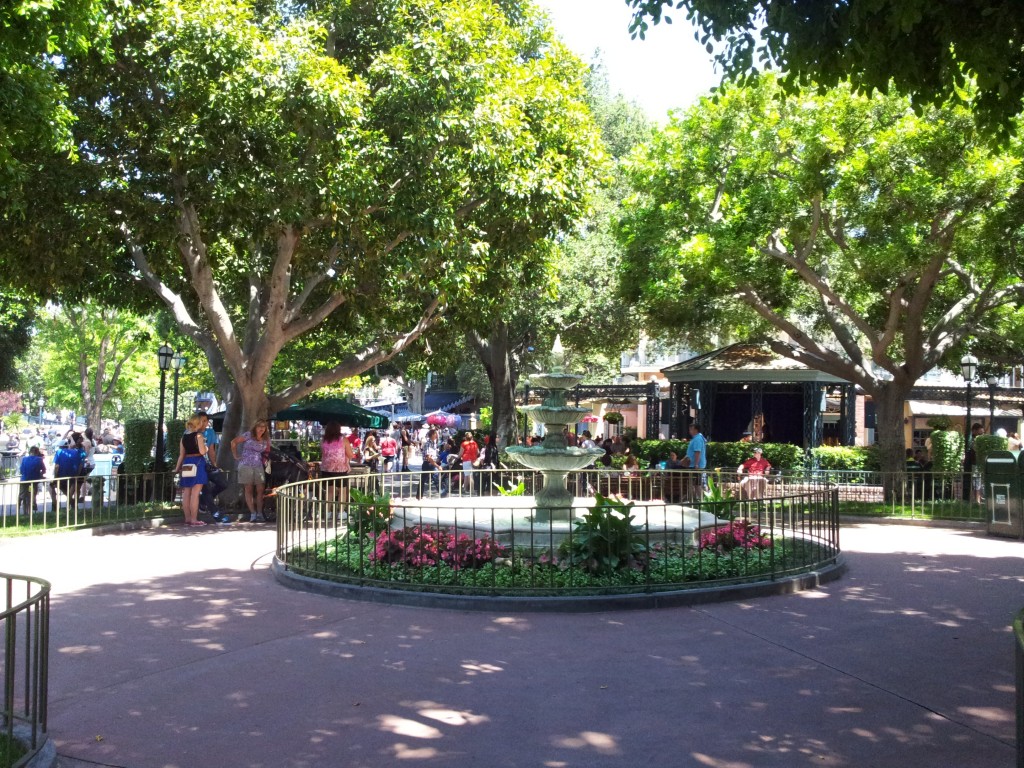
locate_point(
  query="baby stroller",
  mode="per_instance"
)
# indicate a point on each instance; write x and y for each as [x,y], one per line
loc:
[286,466]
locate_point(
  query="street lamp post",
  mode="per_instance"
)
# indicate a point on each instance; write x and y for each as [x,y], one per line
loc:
[163,359]
[968,367]
[42,402]
[992,382]
[177,362]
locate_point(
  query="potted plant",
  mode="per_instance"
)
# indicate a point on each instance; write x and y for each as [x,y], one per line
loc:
[613,417]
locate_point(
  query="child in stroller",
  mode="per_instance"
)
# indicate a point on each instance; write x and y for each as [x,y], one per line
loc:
[286,466]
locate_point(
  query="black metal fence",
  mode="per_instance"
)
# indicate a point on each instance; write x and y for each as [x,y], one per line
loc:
[909,494]
[25,621]
[84,501]
[458,533]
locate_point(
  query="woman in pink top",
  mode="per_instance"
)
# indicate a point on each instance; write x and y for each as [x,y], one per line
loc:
[336,454]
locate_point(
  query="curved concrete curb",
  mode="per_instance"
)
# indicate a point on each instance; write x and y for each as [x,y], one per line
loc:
[142,524]
[573,604]
[46,757]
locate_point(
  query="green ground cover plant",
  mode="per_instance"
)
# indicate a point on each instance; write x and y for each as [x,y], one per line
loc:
[49,522]
[608,559]
[11,751]
[369,513]
[939,509]
[605,539]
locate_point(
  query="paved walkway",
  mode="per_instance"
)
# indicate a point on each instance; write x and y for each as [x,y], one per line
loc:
[175,648]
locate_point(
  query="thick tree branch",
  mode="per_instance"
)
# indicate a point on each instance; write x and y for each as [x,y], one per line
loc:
[182,317]
[311,284]
[776,250]
[372,355]
[834,364]
[194,253]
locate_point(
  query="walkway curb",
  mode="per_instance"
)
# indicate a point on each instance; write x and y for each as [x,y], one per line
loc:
[574,604]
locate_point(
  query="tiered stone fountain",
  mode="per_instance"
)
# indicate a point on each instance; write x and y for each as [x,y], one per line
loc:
[540,522]
[554,458]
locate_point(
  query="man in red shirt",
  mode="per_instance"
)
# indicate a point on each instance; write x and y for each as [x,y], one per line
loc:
[755,468]
[469,453]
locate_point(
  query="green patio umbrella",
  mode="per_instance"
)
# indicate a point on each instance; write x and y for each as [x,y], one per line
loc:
[333,409]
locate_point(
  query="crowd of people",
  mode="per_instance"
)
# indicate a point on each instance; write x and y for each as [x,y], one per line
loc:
[446,461]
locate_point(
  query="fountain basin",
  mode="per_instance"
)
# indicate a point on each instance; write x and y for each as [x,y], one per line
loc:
[562,415]
[512,520]
[554,459]
[555,380]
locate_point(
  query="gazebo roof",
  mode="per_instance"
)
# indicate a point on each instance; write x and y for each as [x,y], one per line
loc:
[746,363]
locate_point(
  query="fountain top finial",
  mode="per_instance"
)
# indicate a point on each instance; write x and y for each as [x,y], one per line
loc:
[557,353]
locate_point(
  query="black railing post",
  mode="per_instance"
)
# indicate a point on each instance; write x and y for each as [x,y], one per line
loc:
[160,461]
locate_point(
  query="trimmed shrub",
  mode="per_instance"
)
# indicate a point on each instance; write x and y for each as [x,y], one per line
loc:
[139,437]
[985,444]
[838,457]
[175,431]
[947,451]
[369,514]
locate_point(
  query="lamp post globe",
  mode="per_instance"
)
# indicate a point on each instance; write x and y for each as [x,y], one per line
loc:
[164,355]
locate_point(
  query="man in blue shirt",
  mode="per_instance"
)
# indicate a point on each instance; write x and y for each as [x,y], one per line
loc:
[32,468]
[67,466]
[697,458]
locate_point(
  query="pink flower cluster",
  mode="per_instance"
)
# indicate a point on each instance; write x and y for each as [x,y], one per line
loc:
[427,546]
[739,534]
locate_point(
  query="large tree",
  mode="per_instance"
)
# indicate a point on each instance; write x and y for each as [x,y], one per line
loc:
[869,241]
[271,194]
[16,316]
[90,357]
[570,286]
[34,114]
[925,48]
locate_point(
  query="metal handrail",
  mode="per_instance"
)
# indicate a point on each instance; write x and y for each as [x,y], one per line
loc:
[322,533]
[57,503]
[26,637]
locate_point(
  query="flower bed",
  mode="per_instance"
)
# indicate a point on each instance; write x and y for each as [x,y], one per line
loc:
[604,551]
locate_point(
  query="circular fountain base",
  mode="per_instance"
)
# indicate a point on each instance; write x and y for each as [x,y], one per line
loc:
[516,521]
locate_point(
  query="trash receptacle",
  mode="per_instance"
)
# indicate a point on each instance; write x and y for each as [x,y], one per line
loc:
[1003,483]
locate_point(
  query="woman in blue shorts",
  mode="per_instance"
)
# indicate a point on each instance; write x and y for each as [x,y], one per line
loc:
[192,466]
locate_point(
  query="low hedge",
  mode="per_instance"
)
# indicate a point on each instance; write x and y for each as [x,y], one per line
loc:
[847,458]
[779,455]
[985,444]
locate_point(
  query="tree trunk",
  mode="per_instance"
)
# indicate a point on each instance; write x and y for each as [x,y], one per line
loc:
[503,406]
[416,393]
[244,408]
[890,398]
[494,353]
